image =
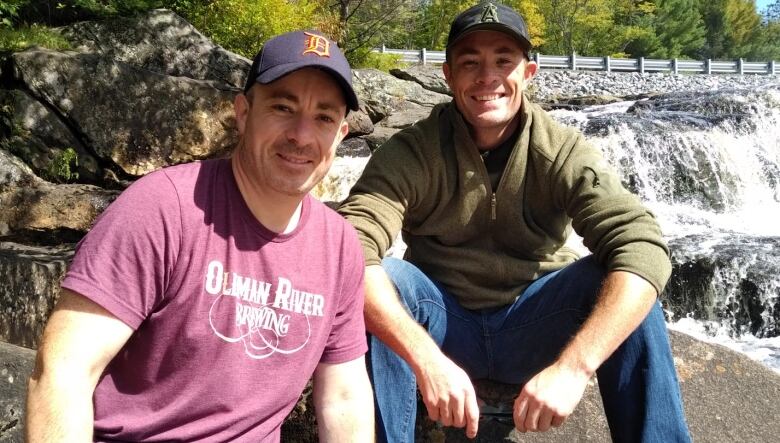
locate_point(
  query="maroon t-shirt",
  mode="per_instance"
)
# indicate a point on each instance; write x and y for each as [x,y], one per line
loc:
[230,318]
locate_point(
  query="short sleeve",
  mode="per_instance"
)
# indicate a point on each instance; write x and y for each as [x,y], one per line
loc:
[124,263]
[347,339]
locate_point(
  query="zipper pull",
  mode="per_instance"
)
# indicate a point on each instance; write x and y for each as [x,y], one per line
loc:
[493,206]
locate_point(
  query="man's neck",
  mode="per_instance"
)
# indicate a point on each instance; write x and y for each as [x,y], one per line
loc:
[490,138]
[279,213]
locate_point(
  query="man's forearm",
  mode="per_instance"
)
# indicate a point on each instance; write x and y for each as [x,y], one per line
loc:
[622,304]
[58,410]
[387,319]
[347,420]
[344,402]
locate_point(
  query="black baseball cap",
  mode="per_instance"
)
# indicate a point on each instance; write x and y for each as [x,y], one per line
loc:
[295,50]
[489,17]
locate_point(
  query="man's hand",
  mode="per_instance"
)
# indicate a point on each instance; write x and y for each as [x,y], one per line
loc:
[549,398]
[448,394]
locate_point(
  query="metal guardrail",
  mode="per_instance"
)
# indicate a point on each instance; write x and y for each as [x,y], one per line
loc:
[578,62]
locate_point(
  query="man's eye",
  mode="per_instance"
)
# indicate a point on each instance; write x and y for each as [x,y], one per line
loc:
[327,119]
[282,108]
[469,63]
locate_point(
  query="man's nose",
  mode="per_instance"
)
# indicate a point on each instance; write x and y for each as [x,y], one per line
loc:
[486,74]
[301,131]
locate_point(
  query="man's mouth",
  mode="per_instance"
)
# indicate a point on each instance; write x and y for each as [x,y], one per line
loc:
[487,97]
[299,161]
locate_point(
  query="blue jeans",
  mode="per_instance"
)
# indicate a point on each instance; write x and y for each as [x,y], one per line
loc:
[638,382]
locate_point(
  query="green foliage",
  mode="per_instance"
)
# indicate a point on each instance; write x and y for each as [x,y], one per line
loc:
[63,166]
[21,37]
[679,28]
[365,58]
[8,12]
[243,26]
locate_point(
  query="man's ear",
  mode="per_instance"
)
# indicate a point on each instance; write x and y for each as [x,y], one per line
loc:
[530,70]
[241,108]
[343,129]
[447,73]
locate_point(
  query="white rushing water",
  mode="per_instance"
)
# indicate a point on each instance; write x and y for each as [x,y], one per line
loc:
[732,166]
[711,170]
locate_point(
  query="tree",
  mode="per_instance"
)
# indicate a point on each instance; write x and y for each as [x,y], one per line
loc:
[772,12]
[731,28]
[679,28]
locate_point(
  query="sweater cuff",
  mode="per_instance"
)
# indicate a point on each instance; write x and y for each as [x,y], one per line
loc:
[647,260]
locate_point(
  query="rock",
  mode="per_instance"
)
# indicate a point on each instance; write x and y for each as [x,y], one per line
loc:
[728,280]
[359,123]
[138,119]
[409,116]
[16,365]
[34,204]
[40,138]
[160,41]
[353,147]
[719,390]
[380,135]
[428,76]
[344,172]
[382,94]
[29,289]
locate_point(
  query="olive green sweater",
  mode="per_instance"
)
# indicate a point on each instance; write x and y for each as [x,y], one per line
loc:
[486,245]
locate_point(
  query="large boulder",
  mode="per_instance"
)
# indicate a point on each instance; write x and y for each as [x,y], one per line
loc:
[16,365]
[382,94]
[135,118]
[31,203]
[29,289]
[40,138]
[159,41]
[430,77]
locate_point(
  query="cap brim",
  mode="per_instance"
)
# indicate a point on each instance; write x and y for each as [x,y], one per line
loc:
[499,27]
[280,71]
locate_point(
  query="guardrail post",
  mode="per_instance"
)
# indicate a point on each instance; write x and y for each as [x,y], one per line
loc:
[606,64]
[709,66]
[537,59]
[424,56]
[772,70]
[642,65]
[674,66]
[573,61]
[383,49]
[741,67]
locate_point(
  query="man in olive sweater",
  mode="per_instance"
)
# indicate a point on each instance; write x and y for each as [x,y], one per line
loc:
[486,191]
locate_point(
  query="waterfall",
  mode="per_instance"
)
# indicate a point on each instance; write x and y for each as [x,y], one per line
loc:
[707,163]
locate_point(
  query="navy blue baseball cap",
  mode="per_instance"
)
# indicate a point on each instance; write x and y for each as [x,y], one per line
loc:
[489,17]
[295,50]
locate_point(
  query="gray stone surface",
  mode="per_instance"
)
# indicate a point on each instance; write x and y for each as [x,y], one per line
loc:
[138,119]
[39,137]
[551,85]
[382,94]
[29,289]
[30,203]
[162,42]
[16,364]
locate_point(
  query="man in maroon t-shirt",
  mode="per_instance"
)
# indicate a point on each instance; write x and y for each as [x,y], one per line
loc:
[208,294]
